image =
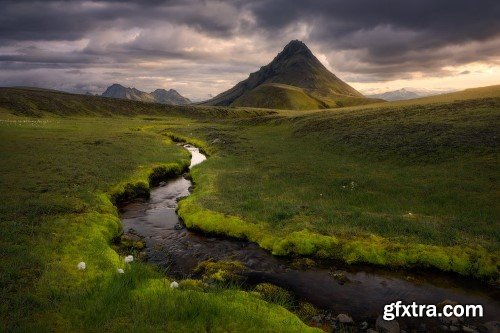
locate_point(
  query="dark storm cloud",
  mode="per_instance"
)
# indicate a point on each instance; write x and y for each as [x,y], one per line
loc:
[71,20]
[391,31]
[449,21]
[372,40]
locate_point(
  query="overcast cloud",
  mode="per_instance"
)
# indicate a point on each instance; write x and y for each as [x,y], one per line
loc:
[205,47]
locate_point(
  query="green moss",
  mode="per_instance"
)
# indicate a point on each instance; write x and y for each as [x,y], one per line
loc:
[128,244]
[303,263]
[476,262]
[129,192]
[165,172]
[220,271]
[306,311]
[299,242]
[472,261]
[139,188]
[175,137]
[192,284]
[274,294]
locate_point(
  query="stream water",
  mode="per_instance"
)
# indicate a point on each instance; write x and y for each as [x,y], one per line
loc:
[362,294]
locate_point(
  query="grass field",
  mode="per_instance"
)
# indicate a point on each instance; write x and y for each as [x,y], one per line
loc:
[400,184]
[57,176]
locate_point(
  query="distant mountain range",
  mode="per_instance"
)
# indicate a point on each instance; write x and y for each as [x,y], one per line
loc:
[162,96]
[407,93]
[295,79]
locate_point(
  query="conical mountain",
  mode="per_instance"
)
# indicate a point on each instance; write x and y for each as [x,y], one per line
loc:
[295,79]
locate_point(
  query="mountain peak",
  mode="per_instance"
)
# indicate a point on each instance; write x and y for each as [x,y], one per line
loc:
[295,47]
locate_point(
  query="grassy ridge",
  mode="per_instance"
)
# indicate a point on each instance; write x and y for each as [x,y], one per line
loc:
[480,93]
[57,180]
[34,102]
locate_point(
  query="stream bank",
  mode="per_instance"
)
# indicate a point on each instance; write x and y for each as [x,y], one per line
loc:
[359,291]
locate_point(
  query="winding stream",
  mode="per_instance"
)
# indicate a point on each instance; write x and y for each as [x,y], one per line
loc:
[171,246]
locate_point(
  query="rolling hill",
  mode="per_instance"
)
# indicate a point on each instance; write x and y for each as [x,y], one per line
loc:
[161,96]
[294,79]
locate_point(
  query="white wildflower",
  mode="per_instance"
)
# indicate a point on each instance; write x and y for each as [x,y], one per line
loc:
[174,285]
[81,266]
[129,259]
[120,271]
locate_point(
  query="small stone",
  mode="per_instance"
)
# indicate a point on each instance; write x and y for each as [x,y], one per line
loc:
[385,326]
[81,266]
[468,329]
[120,271]
[344,319]
[441,305]
[130,237]
[340,277]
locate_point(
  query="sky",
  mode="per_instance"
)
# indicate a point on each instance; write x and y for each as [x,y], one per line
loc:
[202,48]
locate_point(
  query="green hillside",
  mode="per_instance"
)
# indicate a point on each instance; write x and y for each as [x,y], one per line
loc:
[278,96]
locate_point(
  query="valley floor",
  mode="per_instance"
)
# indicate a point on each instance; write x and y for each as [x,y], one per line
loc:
[409,184]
